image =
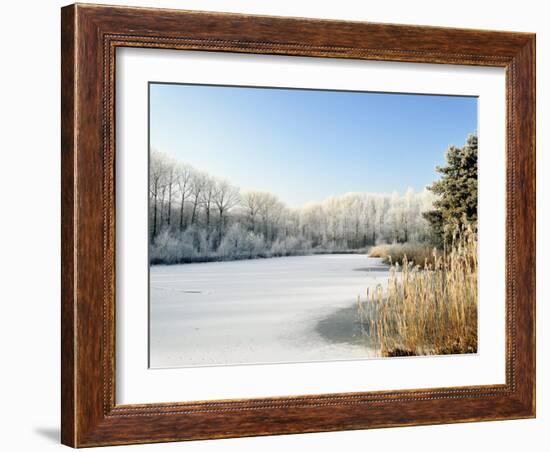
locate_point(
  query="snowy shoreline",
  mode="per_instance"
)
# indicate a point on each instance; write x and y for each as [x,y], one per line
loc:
[212,259]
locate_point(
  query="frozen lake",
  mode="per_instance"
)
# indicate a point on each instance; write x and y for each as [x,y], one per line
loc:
[287,309]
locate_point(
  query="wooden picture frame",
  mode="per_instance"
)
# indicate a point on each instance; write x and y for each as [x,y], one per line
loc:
[90,36]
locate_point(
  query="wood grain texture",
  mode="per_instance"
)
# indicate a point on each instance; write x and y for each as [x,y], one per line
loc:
[68,147]
[90,36]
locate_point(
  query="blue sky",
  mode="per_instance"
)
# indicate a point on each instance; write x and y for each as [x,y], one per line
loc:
[307,145]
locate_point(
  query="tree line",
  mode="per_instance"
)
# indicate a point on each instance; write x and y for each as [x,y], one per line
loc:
[195,217]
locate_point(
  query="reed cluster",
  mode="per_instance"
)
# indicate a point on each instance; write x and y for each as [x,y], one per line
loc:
[416,253]
[428,308]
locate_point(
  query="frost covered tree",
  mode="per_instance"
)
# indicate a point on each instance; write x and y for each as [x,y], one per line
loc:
[225,198]
[206,198]
[238,243]
[251,204]
[197,186]
[270,211]
[217,221]
[159,171]
[184,180]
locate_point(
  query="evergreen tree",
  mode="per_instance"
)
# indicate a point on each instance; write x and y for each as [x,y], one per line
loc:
[457,192]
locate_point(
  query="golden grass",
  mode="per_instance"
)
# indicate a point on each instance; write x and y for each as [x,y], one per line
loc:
[416,253]
[429,309]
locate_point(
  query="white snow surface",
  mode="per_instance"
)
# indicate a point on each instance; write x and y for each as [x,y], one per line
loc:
[256,311]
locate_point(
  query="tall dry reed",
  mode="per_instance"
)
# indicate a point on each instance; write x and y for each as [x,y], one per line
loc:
[416,253]
[429,309]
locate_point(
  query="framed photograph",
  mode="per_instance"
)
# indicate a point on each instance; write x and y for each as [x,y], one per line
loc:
[281,225]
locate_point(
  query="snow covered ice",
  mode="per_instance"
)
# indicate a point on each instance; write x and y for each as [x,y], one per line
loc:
[260,310]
